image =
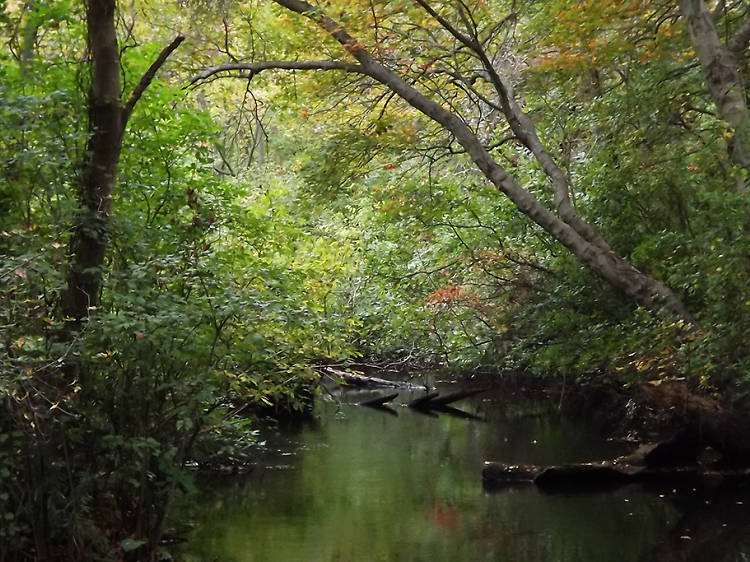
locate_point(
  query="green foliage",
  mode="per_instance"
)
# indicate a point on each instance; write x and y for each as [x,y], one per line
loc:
[219,299]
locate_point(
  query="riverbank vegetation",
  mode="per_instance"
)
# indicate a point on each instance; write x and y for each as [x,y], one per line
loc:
[200,203]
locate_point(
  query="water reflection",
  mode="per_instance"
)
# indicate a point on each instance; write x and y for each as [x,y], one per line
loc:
[363,485]
[714,525]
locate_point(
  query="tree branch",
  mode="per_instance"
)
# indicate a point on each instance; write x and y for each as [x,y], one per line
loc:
[523,127]
[616,270]
[147,77]
[719,10]
[254,68]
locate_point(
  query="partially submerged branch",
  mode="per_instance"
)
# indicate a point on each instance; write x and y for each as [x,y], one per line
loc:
[362,381]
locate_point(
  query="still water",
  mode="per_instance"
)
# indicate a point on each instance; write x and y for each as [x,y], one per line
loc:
[361,484]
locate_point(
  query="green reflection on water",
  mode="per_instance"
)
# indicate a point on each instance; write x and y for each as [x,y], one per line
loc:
[364,485]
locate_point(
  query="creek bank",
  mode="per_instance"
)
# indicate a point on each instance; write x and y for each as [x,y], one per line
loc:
[686,438]
[683,420]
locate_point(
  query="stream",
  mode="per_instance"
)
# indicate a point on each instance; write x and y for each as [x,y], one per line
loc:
[364,484]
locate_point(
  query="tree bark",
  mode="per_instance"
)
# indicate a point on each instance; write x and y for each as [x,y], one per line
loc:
[108,118]
[607,476]
[614,269]
[89,238]
[721,66]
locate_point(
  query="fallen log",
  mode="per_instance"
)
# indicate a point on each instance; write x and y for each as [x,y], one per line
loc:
[379,402]
[604,476]
[436,401]
[499,474]
[423,402]
[446,399]
[362,381]
[456,413]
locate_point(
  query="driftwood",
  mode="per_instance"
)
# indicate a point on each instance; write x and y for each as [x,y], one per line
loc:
[680,460]
[428,404]
[362,381]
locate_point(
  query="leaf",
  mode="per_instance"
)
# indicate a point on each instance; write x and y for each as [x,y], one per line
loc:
[130,544]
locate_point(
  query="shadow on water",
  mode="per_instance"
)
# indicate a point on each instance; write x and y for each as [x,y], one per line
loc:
[364,484]
[714,524]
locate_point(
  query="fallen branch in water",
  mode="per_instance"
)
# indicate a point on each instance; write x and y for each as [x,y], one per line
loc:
[380,401]
[362,381]
[452,397]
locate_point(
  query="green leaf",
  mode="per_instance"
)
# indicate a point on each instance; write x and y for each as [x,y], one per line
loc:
[129,544]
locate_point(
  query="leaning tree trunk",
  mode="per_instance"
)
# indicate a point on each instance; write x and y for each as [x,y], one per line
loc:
[721,66]
[578,237]
[90,231]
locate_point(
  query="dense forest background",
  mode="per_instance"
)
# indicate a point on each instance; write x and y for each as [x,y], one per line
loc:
[202,202]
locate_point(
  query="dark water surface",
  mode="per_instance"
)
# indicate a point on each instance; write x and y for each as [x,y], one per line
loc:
[362,484]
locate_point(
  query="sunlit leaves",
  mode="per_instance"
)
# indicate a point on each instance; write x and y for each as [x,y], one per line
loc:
[580,36]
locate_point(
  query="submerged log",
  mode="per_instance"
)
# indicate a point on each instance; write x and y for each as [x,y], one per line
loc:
[423,402]
[436,401]
[362,381]
[498,474]
[446,399]
[604,476]
[380,401]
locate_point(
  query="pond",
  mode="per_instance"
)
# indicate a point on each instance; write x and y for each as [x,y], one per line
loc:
[364,484]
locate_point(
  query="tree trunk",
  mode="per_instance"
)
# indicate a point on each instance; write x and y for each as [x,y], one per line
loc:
[90,232]
[525,131]
[108,118]
[592,252]
[29,34]
[725,84]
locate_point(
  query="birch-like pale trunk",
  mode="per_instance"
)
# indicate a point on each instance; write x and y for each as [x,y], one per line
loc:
[720,63]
